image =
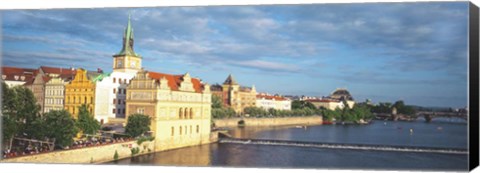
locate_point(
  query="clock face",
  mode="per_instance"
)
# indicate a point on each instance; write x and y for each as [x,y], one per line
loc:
[119,63]
[133,64]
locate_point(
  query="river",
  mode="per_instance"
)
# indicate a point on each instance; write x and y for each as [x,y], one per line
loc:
[437,134]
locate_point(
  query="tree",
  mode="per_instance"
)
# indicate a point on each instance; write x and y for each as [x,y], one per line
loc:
[297,104]
[60,125]
[85,122]
[404,109]
[19,105]
[137,124]
[216,102]
[9,129]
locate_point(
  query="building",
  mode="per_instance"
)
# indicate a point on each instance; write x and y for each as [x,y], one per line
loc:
[343,94]
[14,76]
[235,96]
[326,103]
[37,84]
[267,102]
[55,90]
[336,99]
[81,90]
[179,105]
[110,91]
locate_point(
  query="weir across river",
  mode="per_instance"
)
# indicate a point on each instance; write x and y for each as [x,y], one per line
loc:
[343,146]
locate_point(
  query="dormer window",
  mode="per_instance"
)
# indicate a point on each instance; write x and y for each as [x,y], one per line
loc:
[16,77]
[22,77]
[4,76]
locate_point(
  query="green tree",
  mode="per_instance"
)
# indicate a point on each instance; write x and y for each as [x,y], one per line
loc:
[19,105]
[297,104]
[85,122]
[9,129]
[216,102]
[60,125]
[137,124]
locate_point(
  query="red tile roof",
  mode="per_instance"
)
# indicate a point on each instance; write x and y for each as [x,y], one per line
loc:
[11,72]
[56,70]
[269,97]
[175,80]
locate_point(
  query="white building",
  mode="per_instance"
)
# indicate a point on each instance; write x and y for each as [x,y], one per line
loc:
[110,95]
[276,102]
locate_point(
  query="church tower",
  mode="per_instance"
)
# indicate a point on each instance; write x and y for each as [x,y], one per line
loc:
[127,60]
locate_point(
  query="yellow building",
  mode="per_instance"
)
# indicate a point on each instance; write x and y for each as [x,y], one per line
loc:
[81,90]
[235,96]
[180,108]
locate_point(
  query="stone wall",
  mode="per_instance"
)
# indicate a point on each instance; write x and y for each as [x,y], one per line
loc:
[97,154]
[311,120]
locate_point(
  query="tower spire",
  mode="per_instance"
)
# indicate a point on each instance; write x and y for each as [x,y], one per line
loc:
[127,48]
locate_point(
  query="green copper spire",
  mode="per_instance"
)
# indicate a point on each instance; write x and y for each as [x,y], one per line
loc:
[127,48]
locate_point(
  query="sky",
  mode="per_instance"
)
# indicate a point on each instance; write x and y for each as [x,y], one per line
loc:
[416,52]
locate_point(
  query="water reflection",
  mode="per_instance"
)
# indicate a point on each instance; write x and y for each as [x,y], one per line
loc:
[191,156]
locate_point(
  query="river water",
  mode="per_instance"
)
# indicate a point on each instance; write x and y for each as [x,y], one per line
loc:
[437,134]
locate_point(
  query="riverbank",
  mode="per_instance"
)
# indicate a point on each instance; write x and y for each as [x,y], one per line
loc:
[233,122]
[97,154]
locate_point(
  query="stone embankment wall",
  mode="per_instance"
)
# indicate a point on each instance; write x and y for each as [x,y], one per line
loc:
[96,154]
[230,122]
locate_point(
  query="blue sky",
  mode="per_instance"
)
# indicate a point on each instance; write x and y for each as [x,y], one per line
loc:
[416,52]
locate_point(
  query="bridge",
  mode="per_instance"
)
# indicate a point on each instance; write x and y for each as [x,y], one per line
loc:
[428,115]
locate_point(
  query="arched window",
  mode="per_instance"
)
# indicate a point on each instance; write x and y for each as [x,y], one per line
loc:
[180,130]
[191,113]
[85,101]
[173,130]
[198,128]
[186,113]
[180,113]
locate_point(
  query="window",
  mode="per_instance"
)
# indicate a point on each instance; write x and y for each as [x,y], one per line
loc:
[190,129]
[114,91]
[113,110]
[114,101]
[125,81]
[191,113]
[173,131]
[120,81]
[114,80]
[185,129]
[198,128]
[124,91]
[180,114]
[180,130]
[119,101]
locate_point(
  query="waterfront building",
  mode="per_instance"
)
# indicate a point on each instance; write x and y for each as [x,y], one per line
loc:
[180,107]
[111,88]
[81,90]
[14,76]
[267,102]
[235,96]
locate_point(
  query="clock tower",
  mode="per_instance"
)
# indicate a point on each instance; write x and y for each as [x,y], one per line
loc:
[127,60]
